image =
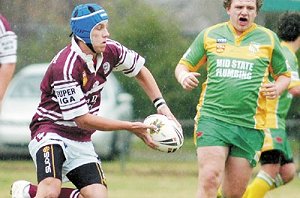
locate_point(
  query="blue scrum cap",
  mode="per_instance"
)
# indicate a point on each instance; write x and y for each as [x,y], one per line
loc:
[84,18]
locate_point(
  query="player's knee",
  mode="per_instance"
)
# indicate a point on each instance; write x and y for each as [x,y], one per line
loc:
[49,187]
[211,178]
[288,172]
[94,190]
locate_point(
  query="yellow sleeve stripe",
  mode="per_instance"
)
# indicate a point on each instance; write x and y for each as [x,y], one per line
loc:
[294,84]
[191,67]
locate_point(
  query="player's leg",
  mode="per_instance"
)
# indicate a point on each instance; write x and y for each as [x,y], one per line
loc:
[90,180]
[243,156]
[237,174]
[25,189]
[277,167]
[211,162]
[265,179]
[288,167]
[49,161]
[212,153]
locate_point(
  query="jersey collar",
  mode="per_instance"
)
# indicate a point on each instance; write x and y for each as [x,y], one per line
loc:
[88,58]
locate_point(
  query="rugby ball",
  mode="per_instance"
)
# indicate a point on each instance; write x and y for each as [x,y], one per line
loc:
[168,136]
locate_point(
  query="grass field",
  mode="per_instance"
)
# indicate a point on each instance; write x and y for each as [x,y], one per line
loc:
[145,173]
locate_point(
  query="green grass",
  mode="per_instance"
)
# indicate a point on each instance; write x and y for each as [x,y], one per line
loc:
[145,173]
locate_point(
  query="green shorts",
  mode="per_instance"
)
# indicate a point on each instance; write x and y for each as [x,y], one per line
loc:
[242,142]
[276,139]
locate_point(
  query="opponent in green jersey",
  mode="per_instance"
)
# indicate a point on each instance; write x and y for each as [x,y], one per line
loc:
[232,109]
[236,69]
[277,164]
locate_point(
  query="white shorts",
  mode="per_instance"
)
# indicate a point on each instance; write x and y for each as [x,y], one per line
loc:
[76,153]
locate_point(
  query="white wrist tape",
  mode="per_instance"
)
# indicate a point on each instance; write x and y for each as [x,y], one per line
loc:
[158,102]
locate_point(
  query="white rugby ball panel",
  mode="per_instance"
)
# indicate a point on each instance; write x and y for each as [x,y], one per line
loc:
[168,136]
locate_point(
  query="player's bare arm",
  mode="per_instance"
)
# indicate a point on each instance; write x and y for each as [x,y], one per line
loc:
[93,122]
[148,83]
[187,79]
[6,73]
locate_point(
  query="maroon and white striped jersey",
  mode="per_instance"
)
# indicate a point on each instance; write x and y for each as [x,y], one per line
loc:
[72,87]
[8,42]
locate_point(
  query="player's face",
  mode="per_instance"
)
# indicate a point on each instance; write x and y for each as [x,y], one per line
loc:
[99,36]
[242,14]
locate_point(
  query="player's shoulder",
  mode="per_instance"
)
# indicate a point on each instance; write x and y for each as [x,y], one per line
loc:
[114,48]
[263,30]
[215,29]
[65,61]
[113,44]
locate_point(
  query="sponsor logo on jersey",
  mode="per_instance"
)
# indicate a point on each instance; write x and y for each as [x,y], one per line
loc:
[84,78]
[106,67]
[199,134]
[221,40]
[279,140]
[220,45]
[47,161]
[66,96]
[254,47]
[228,68]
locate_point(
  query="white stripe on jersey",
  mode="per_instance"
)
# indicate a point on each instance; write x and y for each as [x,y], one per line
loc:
[59,115]
[57,55]
[2,27]
[64,84]
[95,89]
[72,65]
[66,123]
[43,115]
[130,62]
[95,110]
[67,73]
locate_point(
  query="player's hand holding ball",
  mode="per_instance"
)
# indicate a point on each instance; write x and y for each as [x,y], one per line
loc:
[168,136]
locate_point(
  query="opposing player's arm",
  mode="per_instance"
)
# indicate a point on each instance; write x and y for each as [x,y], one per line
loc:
[187,79]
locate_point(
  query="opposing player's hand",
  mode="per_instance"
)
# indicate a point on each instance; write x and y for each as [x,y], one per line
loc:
[188,80]
[269,90]
[140,130]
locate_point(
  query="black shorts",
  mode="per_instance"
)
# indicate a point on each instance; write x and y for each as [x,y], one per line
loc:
[50,159]
[274,157]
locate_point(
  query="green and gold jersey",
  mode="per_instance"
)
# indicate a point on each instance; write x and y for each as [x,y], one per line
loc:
[237,66]
[285,99]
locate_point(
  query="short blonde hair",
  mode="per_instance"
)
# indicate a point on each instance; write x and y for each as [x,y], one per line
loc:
[227,4]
